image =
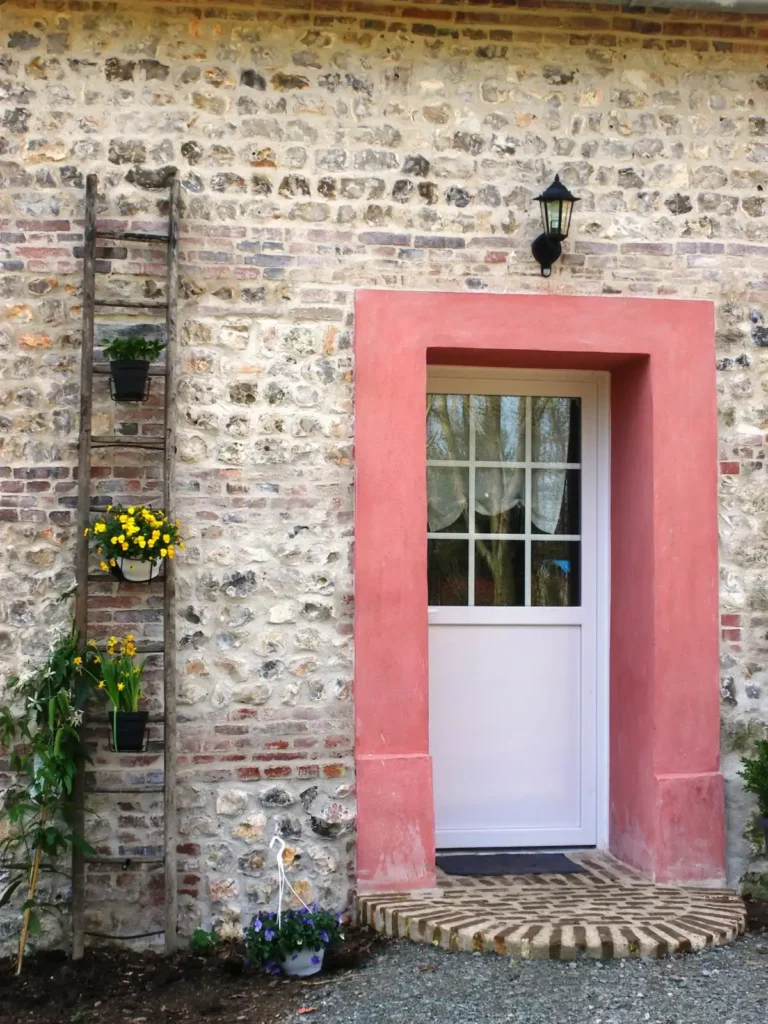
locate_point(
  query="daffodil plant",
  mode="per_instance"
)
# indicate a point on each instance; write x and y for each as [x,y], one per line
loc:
[136,532]
[119,677]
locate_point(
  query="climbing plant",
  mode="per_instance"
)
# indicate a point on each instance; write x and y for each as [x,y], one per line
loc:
[40,715]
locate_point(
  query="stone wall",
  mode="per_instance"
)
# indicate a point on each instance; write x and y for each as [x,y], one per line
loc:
[324,147]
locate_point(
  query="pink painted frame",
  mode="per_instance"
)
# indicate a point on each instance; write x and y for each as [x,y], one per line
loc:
[666,791]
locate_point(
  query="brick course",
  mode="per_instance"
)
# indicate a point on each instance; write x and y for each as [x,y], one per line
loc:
[325,147]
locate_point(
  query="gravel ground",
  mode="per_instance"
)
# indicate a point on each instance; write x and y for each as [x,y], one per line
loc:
[408,983]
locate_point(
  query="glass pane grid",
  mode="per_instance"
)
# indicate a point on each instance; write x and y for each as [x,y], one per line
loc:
[507,568]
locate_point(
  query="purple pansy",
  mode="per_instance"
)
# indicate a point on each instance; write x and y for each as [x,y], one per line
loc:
[257,925]
[269,935]
[324,937]
[315,959]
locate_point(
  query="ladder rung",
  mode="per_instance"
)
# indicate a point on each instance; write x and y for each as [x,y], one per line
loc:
[132,236]
[127,859]
[130,305]
[107,577]
[124,790]
[115,441]
[142,646]
[122,938]
[105,370]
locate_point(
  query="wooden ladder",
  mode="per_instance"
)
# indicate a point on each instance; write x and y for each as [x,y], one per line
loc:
[84,507]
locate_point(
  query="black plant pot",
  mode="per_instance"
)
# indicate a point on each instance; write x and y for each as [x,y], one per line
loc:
[127,730]
[130,380]
[762,823]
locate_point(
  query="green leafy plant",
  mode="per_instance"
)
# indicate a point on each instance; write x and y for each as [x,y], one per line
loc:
[139,349]
[203,943]
[754,771]
[311,928]
[39,728]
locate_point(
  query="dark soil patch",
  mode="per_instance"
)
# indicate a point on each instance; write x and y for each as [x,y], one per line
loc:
[757,914]
[112,986]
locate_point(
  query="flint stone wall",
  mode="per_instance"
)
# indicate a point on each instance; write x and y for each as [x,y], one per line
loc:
[323,148]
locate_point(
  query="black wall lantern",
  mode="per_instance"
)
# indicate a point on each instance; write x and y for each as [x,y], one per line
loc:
[556,209]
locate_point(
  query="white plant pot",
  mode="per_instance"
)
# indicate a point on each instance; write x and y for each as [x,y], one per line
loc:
[134,571]
[300,964]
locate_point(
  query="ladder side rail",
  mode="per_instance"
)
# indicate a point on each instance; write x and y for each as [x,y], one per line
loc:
[169,596]
[81,540]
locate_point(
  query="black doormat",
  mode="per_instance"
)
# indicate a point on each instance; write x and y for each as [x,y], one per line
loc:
[507,864]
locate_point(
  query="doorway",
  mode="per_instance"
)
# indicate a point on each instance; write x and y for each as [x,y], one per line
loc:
[517,520]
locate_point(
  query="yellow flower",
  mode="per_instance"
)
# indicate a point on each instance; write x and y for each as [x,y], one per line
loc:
[91,643]
[151,543]
[167,538]
[171,551]
[97,659]
[121,686]
[99,550]
[86,531]
[163,552]
[109,508]
[121,539]
[124,547]
[101,684]
[131,511]
[141,542]
[130,636]
[78,661]
[112,562]
[113,540]
[103,566]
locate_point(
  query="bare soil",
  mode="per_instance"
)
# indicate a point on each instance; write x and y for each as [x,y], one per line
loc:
[111,986]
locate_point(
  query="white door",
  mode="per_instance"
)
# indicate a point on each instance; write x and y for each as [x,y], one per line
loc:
[513,553]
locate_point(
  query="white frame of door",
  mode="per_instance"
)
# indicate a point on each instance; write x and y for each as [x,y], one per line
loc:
[438,377]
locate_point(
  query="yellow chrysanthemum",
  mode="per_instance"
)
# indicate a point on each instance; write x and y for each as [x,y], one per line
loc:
[78,661]
[121,686]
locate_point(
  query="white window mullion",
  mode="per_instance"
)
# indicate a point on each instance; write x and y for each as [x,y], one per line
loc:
[528,460]
[471,509]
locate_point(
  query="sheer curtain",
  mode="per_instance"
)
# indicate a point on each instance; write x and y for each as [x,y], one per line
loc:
[501,489]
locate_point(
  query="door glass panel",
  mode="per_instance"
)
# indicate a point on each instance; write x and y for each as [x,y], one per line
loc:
[447,499]
[499,425]
[448,427]
[555,573]
[555,501]
[499,572]
[500,500]
[498,516]
[556,430]
[448,572]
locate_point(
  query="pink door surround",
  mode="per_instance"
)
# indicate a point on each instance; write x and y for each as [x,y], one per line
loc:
[666,791]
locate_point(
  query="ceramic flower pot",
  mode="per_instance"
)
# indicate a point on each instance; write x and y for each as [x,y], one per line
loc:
[129,380]
[303,962]
[131,570]
[127,730]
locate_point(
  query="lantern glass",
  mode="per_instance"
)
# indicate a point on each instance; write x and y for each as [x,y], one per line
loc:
[556,209]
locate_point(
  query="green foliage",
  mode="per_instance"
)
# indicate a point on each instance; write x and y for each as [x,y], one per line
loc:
[143,349]
[312,929]
[203,943]
[754,771]
[39,727]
